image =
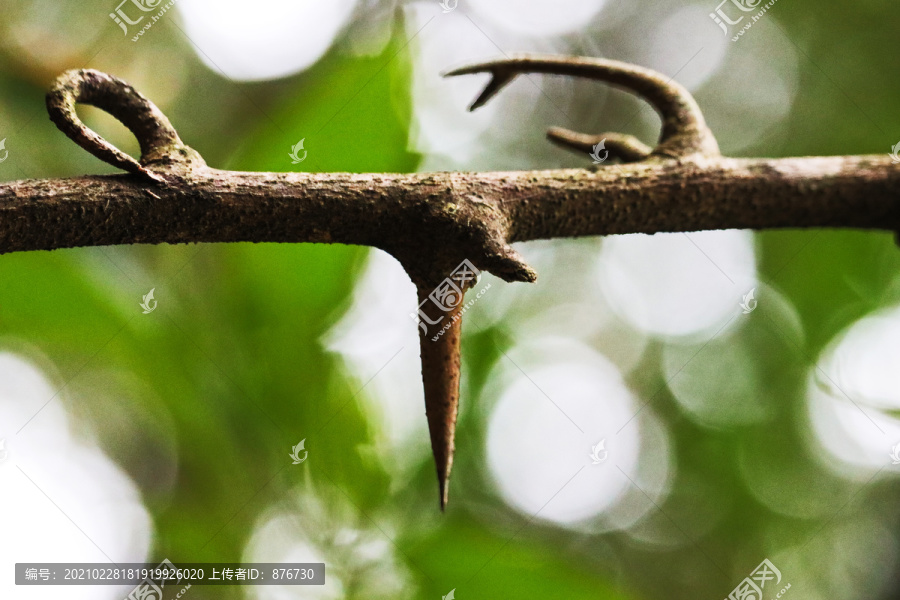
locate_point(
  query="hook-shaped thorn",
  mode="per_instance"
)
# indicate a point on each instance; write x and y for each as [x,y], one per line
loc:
[158,140]
[684,131]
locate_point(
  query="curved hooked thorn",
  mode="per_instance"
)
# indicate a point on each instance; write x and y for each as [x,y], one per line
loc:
[158,140]
[684,131]
[626,148]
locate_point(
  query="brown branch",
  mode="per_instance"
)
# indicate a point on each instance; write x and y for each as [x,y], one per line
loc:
[462,214]
[431,222]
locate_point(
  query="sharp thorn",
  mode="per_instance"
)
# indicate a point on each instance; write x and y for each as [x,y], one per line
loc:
[499,79]
[440,344]
[573,140]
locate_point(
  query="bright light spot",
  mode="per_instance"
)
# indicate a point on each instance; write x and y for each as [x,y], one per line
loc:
[442,125]
[558,399]
[563,302]
[683,46]
[377,325]
[677,284]
[511,303]
[280,539]
[264,39]
[358,559]
[852,396]
[753,94]
[61,498]
[534,17]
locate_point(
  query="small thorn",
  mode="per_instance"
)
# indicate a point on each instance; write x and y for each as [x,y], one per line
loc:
[509,265]
[150,175]
[499,79]
[626,148]
[572,140]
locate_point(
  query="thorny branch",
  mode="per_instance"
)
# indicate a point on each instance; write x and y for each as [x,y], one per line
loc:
[431,222]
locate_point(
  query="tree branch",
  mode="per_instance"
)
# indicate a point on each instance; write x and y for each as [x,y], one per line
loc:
[432,222]
[425,212]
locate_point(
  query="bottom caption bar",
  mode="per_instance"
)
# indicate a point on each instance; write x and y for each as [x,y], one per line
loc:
[151,579]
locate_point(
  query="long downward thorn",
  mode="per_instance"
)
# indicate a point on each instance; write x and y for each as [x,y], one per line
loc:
[440,342]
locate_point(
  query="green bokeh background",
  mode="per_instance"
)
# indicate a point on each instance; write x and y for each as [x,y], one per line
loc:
[231,372]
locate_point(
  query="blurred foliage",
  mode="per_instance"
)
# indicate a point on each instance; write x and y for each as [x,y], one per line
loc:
[201,402]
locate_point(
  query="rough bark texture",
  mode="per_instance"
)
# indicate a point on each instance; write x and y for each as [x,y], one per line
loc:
[432,222]
[440,376]
[423,212]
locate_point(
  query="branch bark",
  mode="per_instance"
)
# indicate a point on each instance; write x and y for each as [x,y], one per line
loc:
[431,222]
[428,210]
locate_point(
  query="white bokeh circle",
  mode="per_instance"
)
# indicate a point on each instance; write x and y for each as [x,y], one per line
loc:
[557,399]
[263,40]
[678,284]
[537,18]
[61,498]
[854,394]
